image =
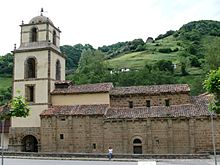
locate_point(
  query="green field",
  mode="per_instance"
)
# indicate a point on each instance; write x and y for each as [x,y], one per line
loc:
[151,55]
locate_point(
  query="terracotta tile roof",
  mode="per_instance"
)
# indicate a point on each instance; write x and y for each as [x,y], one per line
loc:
[198,109]
[87,88]
[96,109]
[151,89]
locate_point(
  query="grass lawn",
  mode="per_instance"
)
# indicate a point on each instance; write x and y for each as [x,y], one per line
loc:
[139,59]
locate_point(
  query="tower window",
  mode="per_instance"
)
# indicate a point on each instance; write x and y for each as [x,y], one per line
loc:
[54,37]
[34,34]
[167,102]
[29,92]
[58,72]
[130,104]
[30,68]
[148,103]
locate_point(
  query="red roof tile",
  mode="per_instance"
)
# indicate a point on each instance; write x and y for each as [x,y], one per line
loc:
[96,109]
[87,88]
[151,89]
[197,109]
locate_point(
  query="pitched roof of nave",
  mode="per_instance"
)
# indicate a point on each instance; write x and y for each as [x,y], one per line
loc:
[73,110]
[198,108]
[108,87]
[86,88]
[151,89]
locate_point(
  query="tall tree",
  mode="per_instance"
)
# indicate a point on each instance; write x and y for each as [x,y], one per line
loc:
[213,55]
[92,67]
[212,85]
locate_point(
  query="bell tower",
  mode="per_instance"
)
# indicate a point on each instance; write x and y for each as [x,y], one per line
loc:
[38,63]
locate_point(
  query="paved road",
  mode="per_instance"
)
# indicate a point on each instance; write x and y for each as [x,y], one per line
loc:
[75,162]
[62,162]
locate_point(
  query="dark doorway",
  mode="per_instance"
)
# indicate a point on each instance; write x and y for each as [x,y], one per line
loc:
[137,146]
[137,149]
[29,144]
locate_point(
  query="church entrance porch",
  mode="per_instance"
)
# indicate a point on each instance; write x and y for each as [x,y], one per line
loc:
[29,144]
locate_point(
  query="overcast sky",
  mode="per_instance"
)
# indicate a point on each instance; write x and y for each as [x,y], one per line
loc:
[103,22]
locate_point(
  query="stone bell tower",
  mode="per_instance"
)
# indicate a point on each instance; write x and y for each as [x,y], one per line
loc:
[38,63]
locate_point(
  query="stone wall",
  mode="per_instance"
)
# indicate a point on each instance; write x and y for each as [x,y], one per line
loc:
[161,136]
[72,134]
[18,134]
[90,134]
[157,100]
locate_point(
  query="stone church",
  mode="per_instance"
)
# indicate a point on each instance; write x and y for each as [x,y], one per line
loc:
[157,119]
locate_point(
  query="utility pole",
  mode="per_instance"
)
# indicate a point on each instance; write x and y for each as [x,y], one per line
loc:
[213,137]
[2,134]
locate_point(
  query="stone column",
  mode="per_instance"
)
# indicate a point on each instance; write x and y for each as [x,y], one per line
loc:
[192,136]
[149,137]
[125,136]
[170,136]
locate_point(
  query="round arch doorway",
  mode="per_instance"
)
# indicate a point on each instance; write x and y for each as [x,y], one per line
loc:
[137,146]
[29,144]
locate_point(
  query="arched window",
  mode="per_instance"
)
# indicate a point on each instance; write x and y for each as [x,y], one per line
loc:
[58,70]
[33,34]
[29,144]
[30,68]
[54,37]
[137,146]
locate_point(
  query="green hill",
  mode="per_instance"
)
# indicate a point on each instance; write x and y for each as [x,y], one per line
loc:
[187,49]
[192,39]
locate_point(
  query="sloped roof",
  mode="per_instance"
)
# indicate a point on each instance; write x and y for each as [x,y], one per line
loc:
[157,111]
[87,88]
[198,108]
[68,110]
[151,89]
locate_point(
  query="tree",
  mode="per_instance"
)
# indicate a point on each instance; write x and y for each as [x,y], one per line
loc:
[18,107]
[184,62]
[212,86]
[213,55]
[165,65]
[92,68]
[6,64]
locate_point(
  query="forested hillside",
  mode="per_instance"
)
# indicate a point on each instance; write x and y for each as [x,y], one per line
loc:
[182,56]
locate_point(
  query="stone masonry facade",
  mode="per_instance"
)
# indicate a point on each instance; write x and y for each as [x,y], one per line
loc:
[182,127]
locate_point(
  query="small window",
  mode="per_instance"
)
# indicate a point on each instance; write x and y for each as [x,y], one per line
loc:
[130,104]
[94,146]
[63,119]
[29,92]
[61,136]
[167,102]
[148,103]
